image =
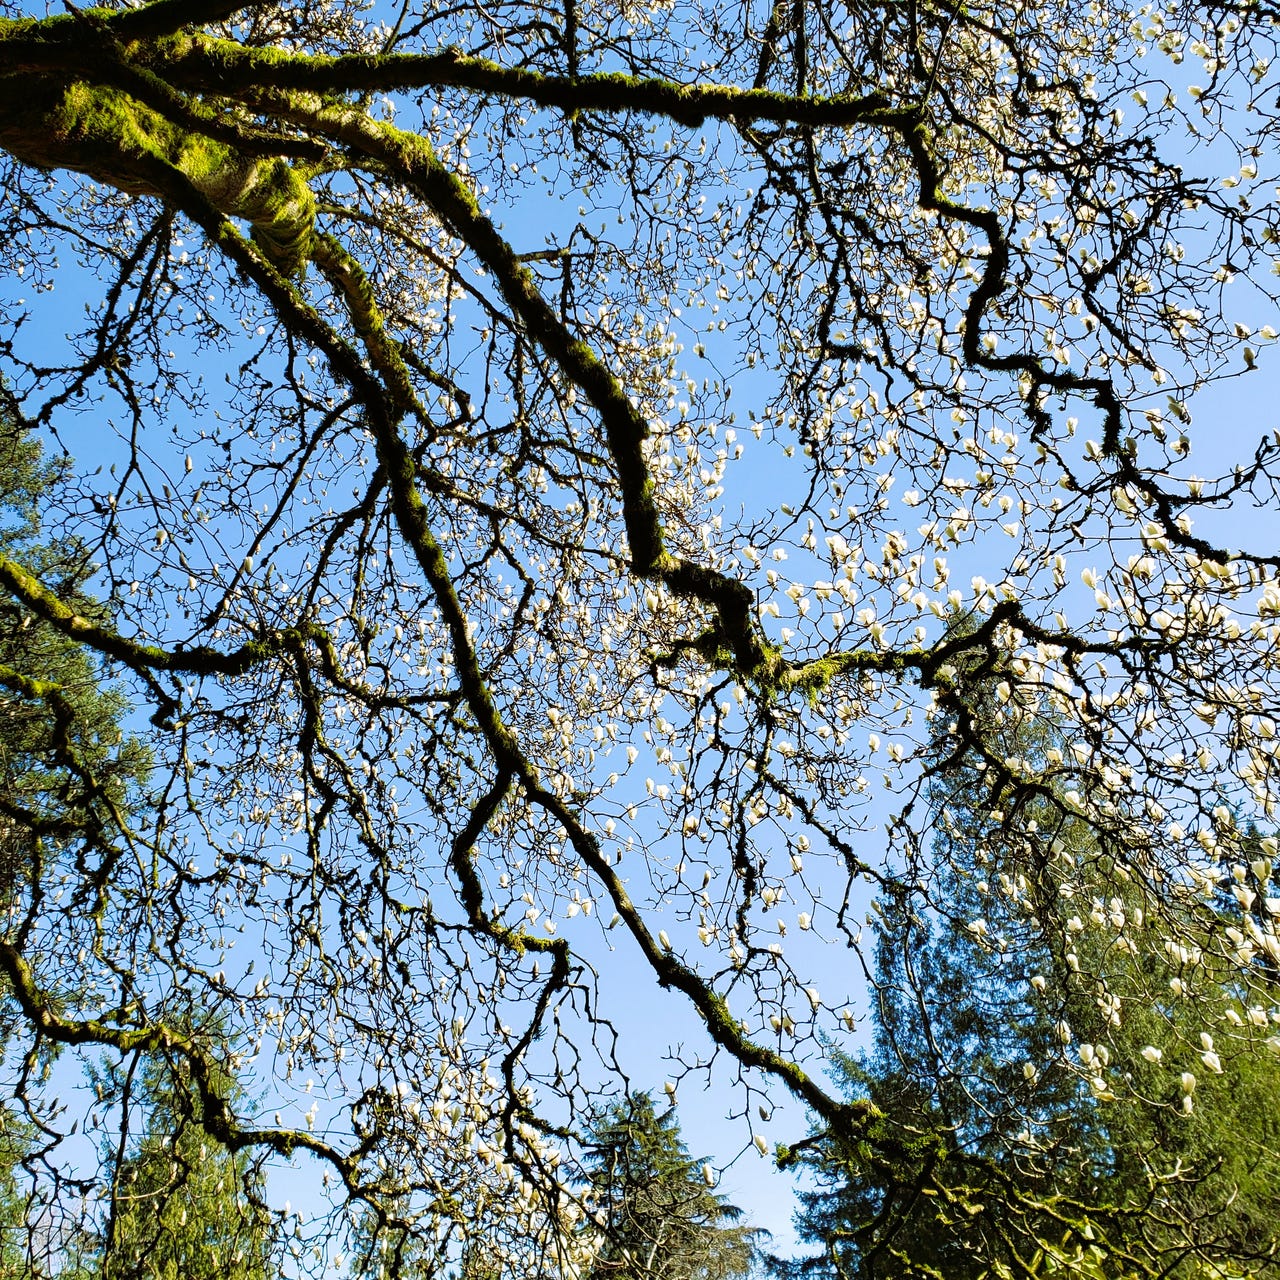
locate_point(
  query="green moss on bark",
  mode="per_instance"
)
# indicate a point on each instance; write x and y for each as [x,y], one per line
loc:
[109,136]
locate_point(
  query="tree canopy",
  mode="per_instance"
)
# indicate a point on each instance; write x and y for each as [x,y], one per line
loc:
[545,452]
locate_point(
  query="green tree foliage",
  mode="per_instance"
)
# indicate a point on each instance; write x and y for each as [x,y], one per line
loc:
[66,765]
[182,1206]
[1006,1139]
[13,1236]
[657,1208]
[69,776]
[68,773]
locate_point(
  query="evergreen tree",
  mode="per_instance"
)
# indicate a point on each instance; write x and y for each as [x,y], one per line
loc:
[1003,1136]
[67,772]
[183,1206]
[662,1218]
[13,1144]
[68,779]
[65,762]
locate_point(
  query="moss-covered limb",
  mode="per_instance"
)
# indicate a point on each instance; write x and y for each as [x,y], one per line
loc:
[107,134]
[40,1013]
[197,60]
[217,1118]
[471,891]
[414,523]
[165,17]
[33,689]
[64,47]
[672,972]
[81,28]
[349,280]
[404,234]
[516,940]
[199,660]
[201,63]
[813,678]
[754,658]
[413,161]
[98,56]
[222,122]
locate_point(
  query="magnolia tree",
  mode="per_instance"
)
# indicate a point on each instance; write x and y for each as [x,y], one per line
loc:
[567,474]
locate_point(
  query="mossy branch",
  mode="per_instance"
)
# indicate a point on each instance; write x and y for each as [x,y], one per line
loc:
[217,1117]
[107,134]
[198,59]
[198,660]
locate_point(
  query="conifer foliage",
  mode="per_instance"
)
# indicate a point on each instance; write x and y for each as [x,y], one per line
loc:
[69,774]
[659,1213]
[66,766]
[183,1207]
[1003,1145]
